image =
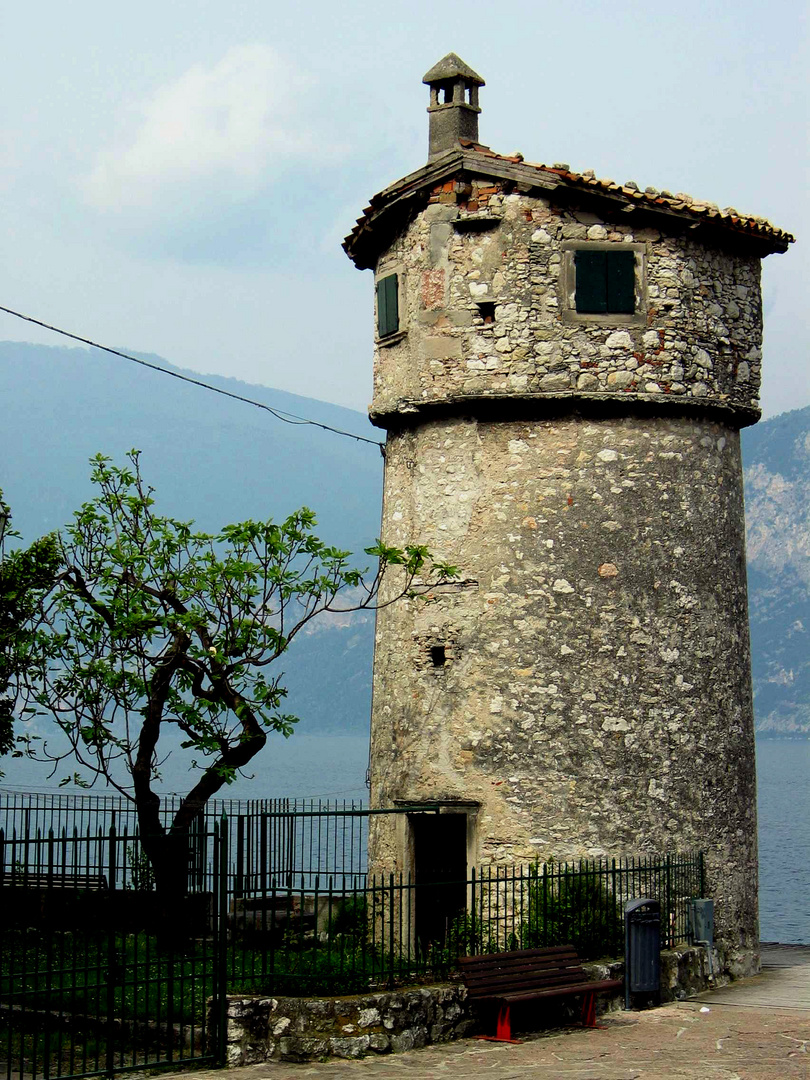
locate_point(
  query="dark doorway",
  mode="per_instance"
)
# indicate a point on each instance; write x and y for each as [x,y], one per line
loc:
[440,865]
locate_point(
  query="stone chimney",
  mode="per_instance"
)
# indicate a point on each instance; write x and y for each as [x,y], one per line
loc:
[453,105]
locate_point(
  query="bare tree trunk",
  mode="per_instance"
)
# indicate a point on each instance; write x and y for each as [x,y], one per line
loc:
[169,849]
[168,854]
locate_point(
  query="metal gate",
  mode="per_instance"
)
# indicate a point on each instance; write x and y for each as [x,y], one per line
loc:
[92,982]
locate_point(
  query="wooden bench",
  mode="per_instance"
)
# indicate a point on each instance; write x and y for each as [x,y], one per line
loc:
[510,978]
[68,879]
[275,914]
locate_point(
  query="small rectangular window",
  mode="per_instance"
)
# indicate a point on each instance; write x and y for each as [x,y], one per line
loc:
[387,305]
[605,282]
[438,655]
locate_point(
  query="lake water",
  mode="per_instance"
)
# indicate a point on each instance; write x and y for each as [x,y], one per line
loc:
[783,777]
[334,767]
[303,766]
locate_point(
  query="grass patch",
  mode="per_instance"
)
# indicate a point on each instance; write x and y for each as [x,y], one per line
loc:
[96,975]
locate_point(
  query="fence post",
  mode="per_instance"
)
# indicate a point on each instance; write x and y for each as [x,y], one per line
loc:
[473,935]
[391,934]
[399,920]
[112,965]
[238,890]
[545,902]
[220,942]
[373,921]
[315,899]
[50,858]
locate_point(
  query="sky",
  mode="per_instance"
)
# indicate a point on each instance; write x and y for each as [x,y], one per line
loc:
[176,177]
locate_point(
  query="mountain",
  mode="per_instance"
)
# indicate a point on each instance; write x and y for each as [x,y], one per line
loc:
[776,458]
[216,461]
[210,459]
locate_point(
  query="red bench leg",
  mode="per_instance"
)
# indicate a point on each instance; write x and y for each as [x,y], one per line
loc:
[503,1028]
[589,1010]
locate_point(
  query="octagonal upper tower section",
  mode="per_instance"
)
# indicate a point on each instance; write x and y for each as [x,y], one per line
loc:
[504,285]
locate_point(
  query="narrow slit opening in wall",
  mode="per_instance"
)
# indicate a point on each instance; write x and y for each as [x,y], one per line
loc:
[438,656]
[487,311]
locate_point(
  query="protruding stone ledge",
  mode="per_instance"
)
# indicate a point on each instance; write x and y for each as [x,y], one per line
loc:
[411,412]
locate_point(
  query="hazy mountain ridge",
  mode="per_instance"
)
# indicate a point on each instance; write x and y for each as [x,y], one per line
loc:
[216,460]
[776,456]
[210,459]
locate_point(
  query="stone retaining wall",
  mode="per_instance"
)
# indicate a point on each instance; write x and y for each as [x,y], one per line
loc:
[305,1029]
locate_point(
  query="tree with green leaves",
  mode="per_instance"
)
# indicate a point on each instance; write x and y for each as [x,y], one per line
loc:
[26,575]
[153,625]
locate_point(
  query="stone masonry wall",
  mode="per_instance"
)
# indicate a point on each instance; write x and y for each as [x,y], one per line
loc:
[595,698]
[697,338]
[302,1029]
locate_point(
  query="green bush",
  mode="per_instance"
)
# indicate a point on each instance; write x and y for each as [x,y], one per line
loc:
[351,918]
[141,874]
[573,908]
[306,974]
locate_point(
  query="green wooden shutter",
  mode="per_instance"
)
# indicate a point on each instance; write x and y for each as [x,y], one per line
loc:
[591,281]
[621,282]
[605,282]
[387,306]
[382,312]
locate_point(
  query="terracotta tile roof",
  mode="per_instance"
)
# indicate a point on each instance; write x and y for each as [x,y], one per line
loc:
[474,157]
[631,191]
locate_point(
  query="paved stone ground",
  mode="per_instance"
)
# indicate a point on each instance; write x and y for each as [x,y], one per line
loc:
[757,1029]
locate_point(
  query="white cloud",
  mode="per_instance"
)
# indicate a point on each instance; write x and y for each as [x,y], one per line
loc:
[216,131]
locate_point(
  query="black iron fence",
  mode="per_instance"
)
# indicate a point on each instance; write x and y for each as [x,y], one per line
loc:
[100,972]
[281,838]
[294,840]
[330,934]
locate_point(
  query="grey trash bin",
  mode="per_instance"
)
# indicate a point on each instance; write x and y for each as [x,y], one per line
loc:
[701,928]
[642,948]
[701,922]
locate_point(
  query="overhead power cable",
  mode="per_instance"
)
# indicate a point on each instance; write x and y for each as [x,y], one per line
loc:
[280,414]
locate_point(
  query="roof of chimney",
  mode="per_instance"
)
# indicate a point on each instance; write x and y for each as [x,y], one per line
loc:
[451,67]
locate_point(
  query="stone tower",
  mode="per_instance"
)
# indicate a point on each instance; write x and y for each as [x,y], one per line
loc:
[563,365]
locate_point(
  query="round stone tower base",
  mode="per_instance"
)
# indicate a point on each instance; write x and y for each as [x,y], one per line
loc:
[584,691]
